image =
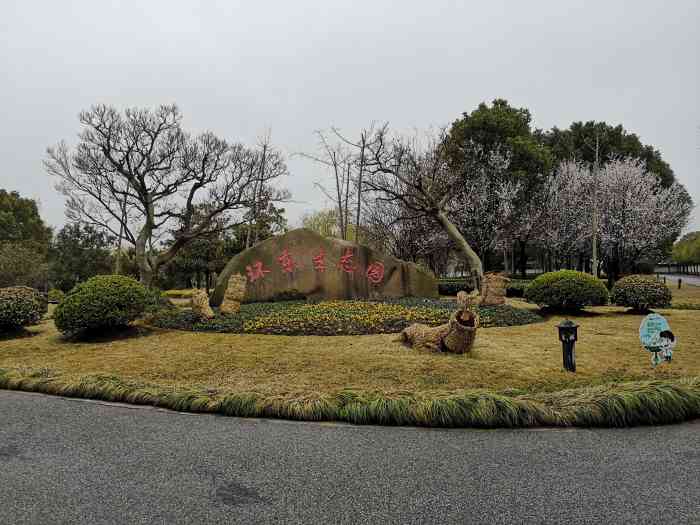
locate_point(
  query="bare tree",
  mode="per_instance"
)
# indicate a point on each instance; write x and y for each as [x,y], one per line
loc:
[141,174]
[271,166]
[359,164]
[420,178]
[336,157]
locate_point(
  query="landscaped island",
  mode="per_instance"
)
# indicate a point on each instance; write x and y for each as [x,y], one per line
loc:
[513,377]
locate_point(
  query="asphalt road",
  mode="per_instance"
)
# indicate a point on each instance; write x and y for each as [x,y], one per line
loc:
[72,461]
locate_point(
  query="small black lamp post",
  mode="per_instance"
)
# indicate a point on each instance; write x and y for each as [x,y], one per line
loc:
[568,335]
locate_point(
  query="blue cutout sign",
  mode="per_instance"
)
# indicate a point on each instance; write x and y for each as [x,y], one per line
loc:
[657,338]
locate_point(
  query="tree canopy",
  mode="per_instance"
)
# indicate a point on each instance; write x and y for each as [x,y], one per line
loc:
[20,221]
[77,253]
[687,250]
[24,242]
[579,140]
[506,129]
[139,174]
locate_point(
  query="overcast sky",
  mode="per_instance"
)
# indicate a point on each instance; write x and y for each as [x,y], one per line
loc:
[239,68]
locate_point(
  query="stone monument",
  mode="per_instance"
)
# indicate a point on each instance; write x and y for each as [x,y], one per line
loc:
[302,263]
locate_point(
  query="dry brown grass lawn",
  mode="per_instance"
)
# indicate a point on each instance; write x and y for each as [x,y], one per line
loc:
[688,294]
[504,359]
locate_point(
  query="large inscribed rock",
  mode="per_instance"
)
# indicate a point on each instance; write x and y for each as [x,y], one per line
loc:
[304,263]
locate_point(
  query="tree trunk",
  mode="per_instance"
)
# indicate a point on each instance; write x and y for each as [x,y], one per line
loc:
[470,256]
[145,269]
[523,259]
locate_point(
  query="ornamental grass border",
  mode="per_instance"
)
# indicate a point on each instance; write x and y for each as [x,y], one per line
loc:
[612,405]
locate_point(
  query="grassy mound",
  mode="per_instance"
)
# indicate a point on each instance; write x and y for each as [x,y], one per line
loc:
[337,317]
[615,405]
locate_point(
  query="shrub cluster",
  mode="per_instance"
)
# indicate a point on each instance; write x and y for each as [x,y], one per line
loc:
[103,301]
[451,287]
[20,306]
[567,290]
[641,292]
[516,287]
[156,300]
[56,295]
[337,317]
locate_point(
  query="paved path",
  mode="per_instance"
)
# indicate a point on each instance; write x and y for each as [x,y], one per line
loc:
[672,279]
[72,461]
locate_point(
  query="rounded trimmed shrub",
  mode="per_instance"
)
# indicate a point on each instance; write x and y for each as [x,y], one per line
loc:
[103,301]
[56,295]
[20,306]
[567,290]
[640,292]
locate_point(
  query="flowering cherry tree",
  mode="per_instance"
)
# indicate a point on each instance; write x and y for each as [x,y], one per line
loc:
[564,218]
[638,214]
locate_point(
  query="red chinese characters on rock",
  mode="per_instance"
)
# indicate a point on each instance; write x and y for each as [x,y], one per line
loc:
[375,272]
[345,263]
[286,261]
[256,271]
[319,261]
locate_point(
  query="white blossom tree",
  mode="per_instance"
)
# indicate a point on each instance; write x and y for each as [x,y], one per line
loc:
[483,209]
[564,215]
[637,214]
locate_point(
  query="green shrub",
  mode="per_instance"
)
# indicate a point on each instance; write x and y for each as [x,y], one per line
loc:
[452,286]
[567,289]
[516,288]
[20,306]
[156,301]
[640,292]
[56,295]
[103,301]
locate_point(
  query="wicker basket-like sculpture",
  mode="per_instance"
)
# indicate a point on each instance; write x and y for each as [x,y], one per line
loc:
[235,292]
[456,336]
[200,305]
[462,332]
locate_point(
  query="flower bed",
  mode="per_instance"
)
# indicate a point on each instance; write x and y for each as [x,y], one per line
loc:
[337,317]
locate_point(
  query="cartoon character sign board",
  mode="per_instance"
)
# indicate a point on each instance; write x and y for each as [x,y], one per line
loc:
[657,338]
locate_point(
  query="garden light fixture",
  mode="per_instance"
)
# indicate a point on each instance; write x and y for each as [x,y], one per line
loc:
[568,335]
